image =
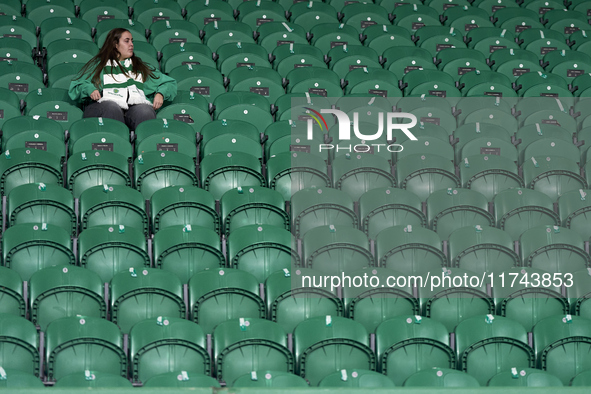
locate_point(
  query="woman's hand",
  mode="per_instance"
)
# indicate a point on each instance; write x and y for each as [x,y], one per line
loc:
[95,95]
[158,100]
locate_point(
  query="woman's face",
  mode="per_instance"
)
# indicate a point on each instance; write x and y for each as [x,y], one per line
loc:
[125,46]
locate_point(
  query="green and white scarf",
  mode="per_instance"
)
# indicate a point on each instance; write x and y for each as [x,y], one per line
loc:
[123,90]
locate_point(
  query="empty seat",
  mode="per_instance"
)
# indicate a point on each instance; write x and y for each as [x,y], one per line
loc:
[11,293]
[19,344]
[167,344]
[356,174]
[489,174]
[526,377]
[181,379]
[577,291]
[221,172]
[109,249]
[146,12]
[573,207]
[21,166]
[159,292]
[426,174]
[441,377]
[270,378]
[15,379]
[408,344]
[93,380]
[356,378]
[157,170]
[94,168]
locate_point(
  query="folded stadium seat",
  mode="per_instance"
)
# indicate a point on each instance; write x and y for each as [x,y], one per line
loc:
[429,82]
[486,83]
[292,56]
[36,203]
[487,345]
[21,166]
[236,55]
[292,297]
[335,249]
[167,344]
[517,20]
[15,379]
[187,250]
[224,32]
[562,344]
[189,108]
[544,110]
[414,16]
[314,80]
[401,60]
[96,168]
[160,293]
[425,174]
[345,58]
[147,12]
[466,106]
[137,29]
[15,49]
[450,304]
[260,80]
[202,80]
[408,344]
[543,6]
[555,148]
[482,249]
[181,379]
[247,106]
[489,146]
[254,205]
[491,6]
[20,124]
[372,81]
[62,74]
[262,250]
[65,291]
[568,64]
[409,250]
[220,172]
[291,135]
[437,38]
[565,22]
[552,175]
[553,249]
[580,38]
[310,14]
[156,170]
[290,172]
[443,5]
[540,131]
[19,342]
[527,377]
[38,140]
[95,11]
[107,250]
[230,127]
[11,286]
[243,345]
[327,343]
[62,112]
[99,126]
[78,344]
[315,207]
[20,77]
[578,293]
[11,7]
[15,26]
[573,207]
[366,105]
[165,135]
[200,13]
[517,210]
[270,378]
[386,207]
[460,61]
[441,377]
[363,15]
[326,36]
[257,13]
[177,54]
[471,131]
[146,52]
[523,301]
[429,109]
[491,115]
[448,210]
[93,380]
[274,34]
[356,378]
[182,205]
[43,95]
[381,37]
[293,107]
[514,62]
[543,46]
[165,32]
[488,40]
[464,17]
[38,10]
[408,104]
[10,106]
[358,173]
[116,205]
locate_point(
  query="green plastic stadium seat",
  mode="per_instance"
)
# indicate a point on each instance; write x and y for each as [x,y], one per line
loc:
[270,378]
[11,293]
[526,377]
[181,379]
[94,380]
[96,168]
[19,344]
[356,378]
[157,170]
[441,377]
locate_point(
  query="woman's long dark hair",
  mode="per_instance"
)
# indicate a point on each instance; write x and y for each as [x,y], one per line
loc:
[109,52]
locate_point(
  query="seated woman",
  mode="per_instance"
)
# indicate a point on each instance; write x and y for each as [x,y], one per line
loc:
[132,91]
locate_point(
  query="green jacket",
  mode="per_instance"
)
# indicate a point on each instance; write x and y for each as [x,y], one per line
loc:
[81,89]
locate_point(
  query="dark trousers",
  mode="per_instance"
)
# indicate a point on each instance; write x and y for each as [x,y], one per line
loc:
[132,117]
